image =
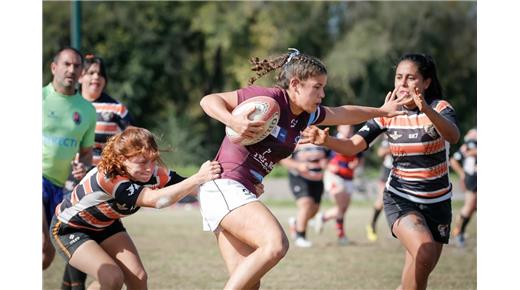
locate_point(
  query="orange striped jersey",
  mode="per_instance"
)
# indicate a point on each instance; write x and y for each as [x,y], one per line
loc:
[112,118]
[97,201]
[420,167]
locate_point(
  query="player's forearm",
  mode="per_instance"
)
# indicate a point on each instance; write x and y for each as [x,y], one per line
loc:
[171,194]
[349,114]
[447,129]
[342,146]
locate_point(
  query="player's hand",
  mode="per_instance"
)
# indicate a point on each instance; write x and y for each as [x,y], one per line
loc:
[259,189]
[418,99]
[209,170]
[245,127]
[78,170]
[302,168]
[314,135]
[393,105]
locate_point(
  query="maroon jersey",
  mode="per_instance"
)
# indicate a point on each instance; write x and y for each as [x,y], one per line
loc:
[249,164]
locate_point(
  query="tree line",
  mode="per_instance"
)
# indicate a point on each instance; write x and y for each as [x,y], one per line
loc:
[162,57]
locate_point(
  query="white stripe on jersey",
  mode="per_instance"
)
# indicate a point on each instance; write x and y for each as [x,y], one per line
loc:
[89,200]
[418,199]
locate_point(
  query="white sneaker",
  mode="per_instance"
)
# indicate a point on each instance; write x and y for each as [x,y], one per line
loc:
[302,242]
[318,223]
[292,227]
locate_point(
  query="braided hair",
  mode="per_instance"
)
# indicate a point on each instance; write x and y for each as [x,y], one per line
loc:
[293,64]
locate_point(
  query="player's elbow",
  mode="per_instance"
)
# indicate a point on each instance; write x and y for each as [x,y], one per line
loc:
[162,202]
[203,102]
[453,138]
[207,101]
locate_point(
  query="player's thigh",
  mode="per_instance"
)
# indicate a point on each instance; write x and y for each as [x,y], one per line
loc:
[413,232]
[92,259]
[233,250]
[254,225]
[122,249]
[305,202]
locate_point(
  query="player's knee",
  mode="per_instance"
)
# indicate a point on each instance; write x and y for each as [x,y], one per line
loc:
[111,277]
[426,257]
[139,280]
[277,249]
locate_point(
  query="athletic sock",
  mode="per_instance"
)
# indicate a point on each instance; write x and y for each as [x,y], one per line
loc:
[374,218]
[464,223]
[339,228]
[73,279]
[301,234]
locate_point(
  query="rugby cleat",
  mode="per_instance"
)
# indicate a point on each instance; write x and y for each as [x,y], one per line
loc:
[371,234]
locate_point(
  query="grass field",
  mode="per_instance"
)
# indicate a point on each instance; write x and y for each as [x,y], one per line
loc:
[177,254]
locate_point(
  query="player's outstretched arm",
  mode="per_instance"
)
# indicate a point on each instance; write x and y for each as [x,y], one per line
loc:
[350,146]
[160,198]
[349,114]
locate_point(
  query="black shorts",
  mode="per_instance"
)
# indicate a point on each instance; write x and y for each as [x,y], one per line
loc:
[301,187]
[66,239]
[437,215]
[470,181]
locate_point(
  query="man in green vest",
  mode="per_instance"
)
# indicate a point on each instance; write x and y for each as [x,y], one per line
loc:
[69,123]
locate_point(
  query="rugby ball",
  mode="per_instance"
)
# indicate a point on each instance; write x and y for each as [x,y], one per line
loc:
[266,109]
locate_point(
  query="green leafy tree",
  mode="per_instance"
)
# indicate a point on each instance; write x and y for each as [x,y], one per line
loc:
[162,57]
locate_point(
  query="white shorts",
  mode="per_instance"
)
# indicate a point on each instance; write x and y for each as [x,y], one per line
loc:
[219,197]
[338,183]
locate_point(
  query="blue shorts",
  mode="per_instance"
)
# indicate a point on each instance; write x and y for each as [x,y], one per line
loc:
[52,195]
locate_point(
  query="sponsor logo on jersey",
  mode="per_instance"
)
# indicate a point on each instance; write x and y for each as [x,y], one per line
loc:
[364,128]
[76,117]
[430,130]
[294,122]
[121,206]
[60,141]
[395,135]
[132,188]
[106,116]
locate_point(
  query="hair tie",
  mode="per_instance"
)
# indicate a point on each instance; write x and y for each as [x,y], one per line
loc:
[294,52]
